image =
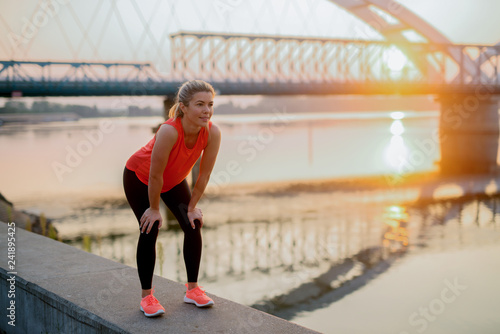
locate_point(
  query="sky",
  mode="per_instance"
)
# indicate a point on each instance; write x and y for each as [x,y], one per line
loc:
[137,31]
[462,21]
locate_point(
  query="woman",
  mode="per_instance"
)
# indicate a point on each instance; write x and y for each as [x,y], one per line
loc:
[158,170]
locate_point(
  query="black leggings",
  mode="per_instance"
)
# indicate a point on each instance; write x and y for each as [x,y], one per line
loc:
[177,200]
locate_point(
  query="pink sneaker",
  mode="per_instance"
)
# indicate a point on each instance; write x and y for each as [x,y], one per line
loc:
[151,306]
[198,297]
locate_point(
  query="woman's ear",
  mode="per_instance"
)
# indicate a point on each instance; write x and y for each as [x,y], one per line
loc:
[182,106]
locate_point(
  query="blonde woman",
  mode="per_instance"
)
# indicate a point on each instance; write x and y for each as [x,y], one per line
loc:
[158,170]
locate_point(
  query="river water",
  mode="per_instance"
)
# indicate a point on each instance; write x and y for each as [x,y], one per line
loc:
[297,245]
[88,155]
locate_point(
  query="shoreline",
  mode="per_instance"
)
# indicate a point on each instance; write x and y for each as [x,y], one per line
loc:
[33,118]
[79,214]
[353,183]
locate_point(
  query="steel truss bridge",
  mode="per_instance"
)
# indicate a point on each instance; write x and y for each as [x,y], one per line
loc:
[256,64]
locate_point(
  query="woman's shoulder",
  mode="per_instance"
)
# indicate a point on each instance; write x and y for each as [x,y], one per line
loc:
[167,131]
[213,133]
[214,129]
[174,122]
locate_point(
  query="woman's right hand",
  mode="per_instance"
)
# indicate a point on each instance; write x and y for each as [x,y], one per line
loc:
[148,219]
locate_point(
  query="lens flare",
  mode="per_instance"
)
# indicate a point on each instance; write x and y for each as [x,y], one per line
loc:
[395,59]
[397,128]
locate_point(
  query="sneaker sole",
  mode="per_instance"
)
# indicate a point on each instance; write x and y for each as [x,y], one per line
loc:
[150,315]
[191,301]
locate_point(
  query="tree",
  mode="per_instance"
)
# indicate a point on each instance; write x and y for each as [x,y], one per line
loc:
[15,107]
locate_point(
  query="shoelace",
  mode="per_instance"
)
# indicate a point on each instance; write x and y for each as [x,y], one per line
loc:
[198,291]
[151,300]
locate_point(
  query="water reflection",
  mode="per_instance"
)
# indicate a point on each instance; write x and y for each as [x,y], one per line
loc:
[296,250]
[397,128]
[423,227]
[396,234]
[396,153]
[289,265]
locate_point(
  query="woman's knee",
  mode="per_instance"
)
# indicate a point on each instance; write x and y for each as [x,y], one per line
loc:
[193,234]
[151,236]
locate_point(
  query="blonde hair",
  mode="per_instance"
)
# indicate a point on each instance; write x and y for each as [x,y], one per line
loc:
[186,93]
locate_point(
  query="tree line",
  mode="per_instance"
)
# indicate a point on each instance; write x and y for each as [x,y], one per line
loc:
[39,107]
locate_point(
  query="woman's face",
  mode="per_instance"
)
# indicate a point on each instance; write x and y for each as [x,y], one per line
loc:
[200,108]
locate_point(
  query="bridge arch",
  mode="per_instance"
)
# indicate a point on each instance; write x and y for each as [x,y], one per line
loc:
[393,20]
[399,24]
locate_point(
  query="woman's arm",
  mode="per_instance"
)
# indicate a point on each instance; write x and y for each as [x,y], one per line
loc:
[165,140]
[206,166]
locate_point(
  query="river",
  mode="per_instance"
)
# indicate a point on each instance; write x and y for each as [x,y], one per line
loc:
[87,156]
[286,220]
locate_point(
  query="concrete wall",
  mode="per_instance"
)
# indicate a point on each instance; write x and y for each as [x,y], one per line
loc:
[40,311]
[60,289]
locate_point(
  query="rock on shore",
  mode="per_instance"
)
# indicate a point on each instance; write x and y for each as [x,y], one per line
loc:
[28,221]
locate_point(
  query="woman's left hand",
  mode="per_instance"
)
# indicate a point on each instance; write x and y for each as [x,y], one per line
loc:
[193,215]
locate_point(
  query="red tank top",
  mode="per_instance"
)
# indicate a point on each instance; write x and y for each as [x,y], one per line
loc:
[180,161]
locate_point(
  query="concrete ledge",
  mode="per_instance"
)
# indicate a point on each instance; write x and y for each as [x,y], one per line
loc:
[60,289]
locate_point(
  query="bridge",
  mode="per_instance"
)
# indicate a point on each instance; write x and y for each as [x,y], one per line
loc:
[413,58]
[270,65]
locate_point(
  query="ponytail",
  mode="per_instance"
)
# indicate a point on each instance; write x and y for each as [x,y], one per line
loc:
[175,111]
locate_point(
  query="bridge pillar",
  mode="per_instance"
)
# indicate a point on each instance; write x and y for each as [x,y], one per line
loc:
[469,133]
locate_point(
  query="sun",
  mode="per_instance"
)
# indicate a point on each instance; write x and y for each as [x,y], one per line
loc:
[395,59]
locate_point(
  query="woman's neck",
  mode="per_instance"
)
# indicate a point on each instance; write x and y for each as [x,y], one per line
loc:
[189,128]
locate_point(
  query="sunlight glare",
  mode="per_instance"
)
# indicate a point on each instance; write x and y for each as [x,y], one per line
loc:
[397,115]
[397,128]
[395,59]
[396,153]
